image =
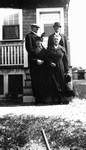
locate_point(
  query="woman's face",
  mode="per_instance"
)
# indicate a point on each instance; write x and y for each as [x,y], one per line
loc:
[56,40]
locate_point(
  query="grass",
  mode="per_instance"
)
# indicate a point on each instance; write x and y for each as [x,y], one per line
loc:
[22,130]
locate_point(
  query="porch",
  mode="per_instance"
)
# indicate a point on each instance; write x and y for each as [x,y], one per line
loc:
[13,55]
[14,72]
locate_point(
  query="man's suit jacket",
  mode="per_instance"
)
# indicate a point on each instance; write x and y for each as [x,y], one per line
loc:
[30,44]
[63,41]
[30,41]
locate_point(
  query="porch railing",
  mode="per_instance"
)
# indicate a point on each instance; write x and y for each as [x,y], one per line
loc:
[11,54]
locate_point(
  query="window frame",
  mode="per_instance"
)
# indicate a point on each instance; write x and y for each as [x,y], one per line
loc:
[11,10]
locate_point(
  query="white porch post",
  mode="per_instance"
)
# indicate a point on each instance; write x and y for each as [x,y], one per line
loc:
[25,56]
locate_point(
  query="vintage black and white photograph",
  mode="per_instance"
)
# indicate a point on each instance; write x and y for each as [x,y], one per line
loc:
[42,75]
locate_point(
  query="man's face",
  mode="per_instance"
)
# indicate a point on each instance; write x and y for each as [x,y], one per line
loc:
[35,29]
[57,29]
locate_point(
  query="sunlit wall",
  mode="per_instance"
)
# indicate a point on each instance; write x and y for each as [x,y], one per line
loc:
[77,32]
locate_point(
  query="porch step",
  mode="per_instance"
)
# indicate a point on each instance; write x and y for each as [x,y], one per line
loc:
[28,77]
[27,83]
[28,99]
[28,95]
[27,90]
[27,71]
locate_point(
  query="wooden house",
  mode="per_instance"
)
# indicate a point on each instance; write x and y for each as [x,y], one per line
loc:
[15,19]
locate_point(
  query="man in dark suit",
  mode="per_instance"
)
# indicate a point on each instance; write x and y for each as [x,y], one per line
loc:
[30,45]
[63,40]
[30,39]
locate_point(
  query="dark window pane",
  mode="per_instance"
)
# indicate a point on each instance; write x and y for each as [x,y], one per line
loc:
[11,32]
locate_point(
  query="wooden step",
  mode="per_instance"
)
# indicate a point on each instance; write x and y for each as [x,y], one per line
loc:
[27,83]
[28,99]
[28,76]
[27,71]
[27,90]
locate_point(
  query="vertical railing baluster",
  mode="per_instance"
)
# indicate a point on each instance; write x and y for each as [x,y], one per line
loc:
[2,55]
[5,56]
[11,55]
[21,54]
[15,55]
[8,55]
[18,55]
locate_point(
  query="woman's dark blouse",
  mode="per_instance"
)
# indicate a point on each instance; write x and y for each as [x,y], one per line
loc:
[59,57]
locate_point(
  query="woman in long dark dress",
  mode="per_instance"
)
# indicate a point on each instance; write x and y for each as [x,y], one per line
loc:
[40,74]
[58,66]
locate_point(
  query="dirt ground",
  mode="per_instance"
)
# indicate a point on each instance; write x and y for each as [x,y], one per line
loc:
[75,110]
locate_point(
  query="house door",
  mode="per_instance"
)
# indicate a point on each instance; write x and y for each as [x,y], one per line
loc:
[46,18]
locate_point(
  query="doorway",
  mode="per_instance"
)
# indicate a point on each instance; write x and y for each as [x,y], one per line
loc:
[46,18]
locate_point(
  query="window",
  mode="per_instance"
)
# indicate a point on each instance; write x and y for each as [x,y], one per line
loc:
[10,32]
[11,19]
[11,24]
